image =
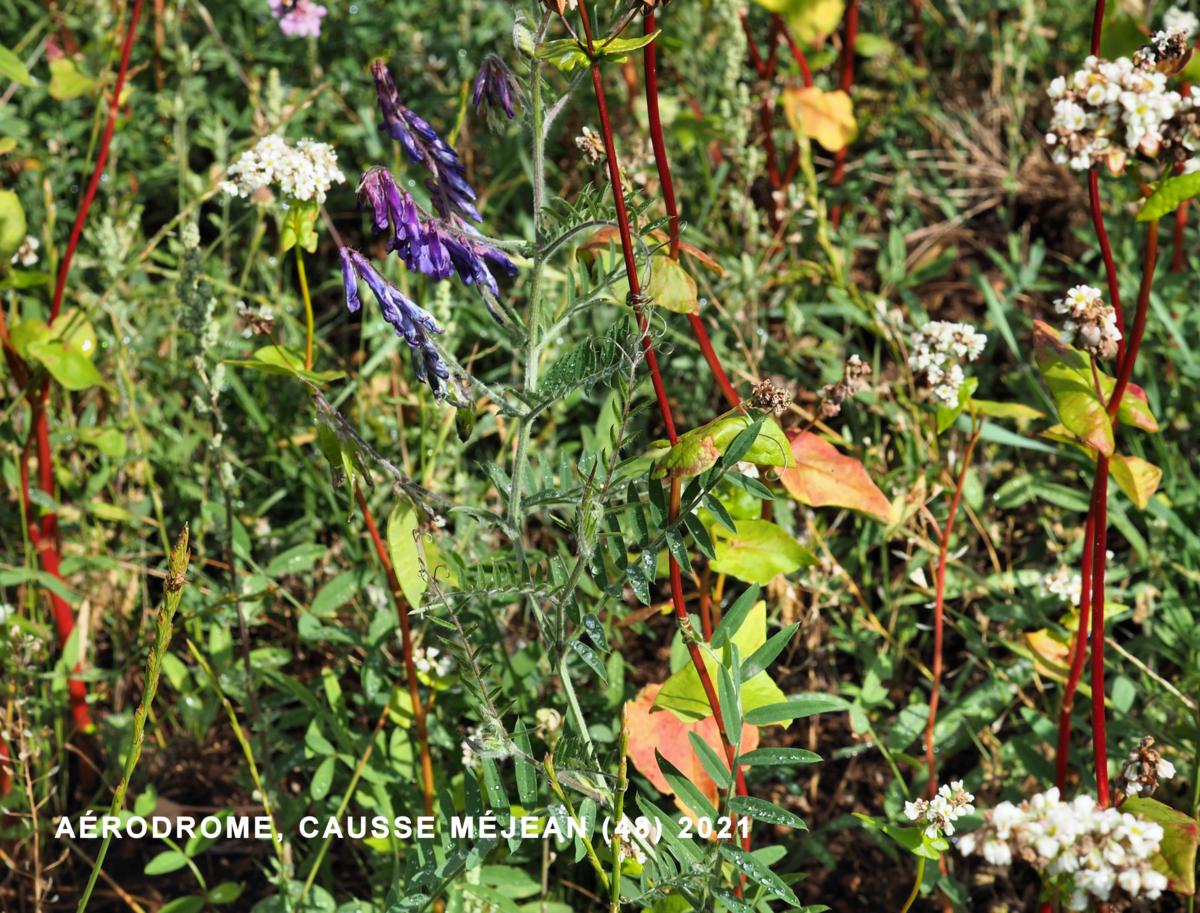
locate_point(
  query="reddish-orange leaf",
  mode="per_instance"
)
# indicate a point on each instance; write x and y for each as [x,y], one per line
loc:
[822,477]
[666,733]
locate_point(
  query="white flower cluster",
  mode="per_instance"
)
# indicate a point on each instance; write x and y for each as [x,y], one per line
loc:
[938,351]
[1063,583]
[1082,851]
[303,172]
[27,253]
[432,662]
[1181,19]
[1111,109]
[1089,320]
[939,813]
[1144,769]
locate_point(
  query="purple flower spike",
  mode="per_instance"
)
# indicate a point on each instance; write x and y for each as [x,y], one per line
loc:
[495,86]
[410,321]
[451,193]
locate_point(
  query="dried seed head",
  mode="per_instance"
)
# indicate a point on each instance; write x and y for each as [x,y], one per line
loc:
[855,376]
[769,398]
[1145,768]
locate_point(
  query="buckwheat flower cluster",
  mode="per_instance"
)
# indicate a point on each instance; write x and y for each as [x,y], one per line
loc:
[937,815]
[1084,853]
[855,376]
[302,172]
[1181,19]
[1112,109]
[939,350]
[1063,583]
[298,18]
[1145,769]
[411,322]
[1090,322]
[27,253]
[432,662]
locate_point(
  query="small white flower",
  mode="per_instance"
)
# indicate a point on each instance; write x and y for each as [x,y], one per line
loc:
[304,172]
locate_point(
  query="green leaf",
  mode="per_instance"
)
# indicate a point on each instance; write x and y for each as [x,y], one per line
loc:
[685,790]
[189,904]
[1168,194]
[67,82]
[12,226]
[765,655]
[278,360]
[322,779]
[12,68]
[567,54]
[809,20]
[685,697]
[1176,857]
[759,872]
[732,621]
[402,547]
[700,448]
[165,862]
[947,416]
[671,287]
[758,552]
[69,367]
[714,765]
[225,892]
[767,812]
[795,709]
[778,757]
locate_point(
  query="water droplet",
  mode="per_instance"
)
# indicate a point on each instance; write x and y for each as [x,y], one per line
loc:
[74,188]
[353,8]
[104,177]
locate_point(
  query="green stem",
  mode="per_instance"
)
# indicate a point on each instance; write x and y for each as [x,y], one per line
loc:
[177,569]
[308,311]
[619,812]
[557,789]
[916,888]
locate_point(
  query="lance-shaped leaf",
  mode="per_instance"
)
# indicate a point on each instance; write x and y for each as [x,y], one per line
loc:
[684,696]
[822,477]
[758,551]
[567,54]
[700,448]
[1071,381]
[1176,857]
[1138,478]
[669,734]
[827,117]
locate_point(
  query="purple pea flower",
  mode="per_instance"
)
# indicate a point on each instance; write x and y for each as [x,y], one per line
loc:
[410,321]
[451,193]
[436,248]
[495,86]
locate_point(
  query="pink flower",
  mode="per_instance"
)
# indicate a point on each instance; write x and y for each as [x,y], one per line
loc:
[298,18]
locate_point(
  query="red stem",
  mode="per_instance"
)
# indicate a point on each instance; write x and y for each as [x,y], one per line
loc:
[939,613]
[797,53]
[46,536]
[657,140]
[1110,267]
[845,83]
[1178,261]
[664,405]
[1099,554]
[410,667]
[1079,648]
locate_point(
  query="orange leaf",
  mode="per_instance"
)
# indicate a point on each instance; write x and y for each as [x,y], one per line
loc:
[822,477]
[827,117]
[664,731]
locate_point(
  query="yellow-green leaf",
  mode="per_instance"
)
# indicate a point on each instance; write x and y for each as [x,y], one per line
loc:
[12,224]
[67,82]
[758,552]
[12,68]
[1138,478]
[809,20]
[827,117]
[671,287]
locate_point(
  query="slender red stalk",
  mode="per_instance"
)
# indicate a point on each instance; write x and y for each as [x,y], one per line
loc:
[796,51]
[664,405]
[1110,267]
[410,668]
[845,83]
[46,539]
[663,164]
[1079,647]
[939,612]
[1178,261]
[1099,552]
